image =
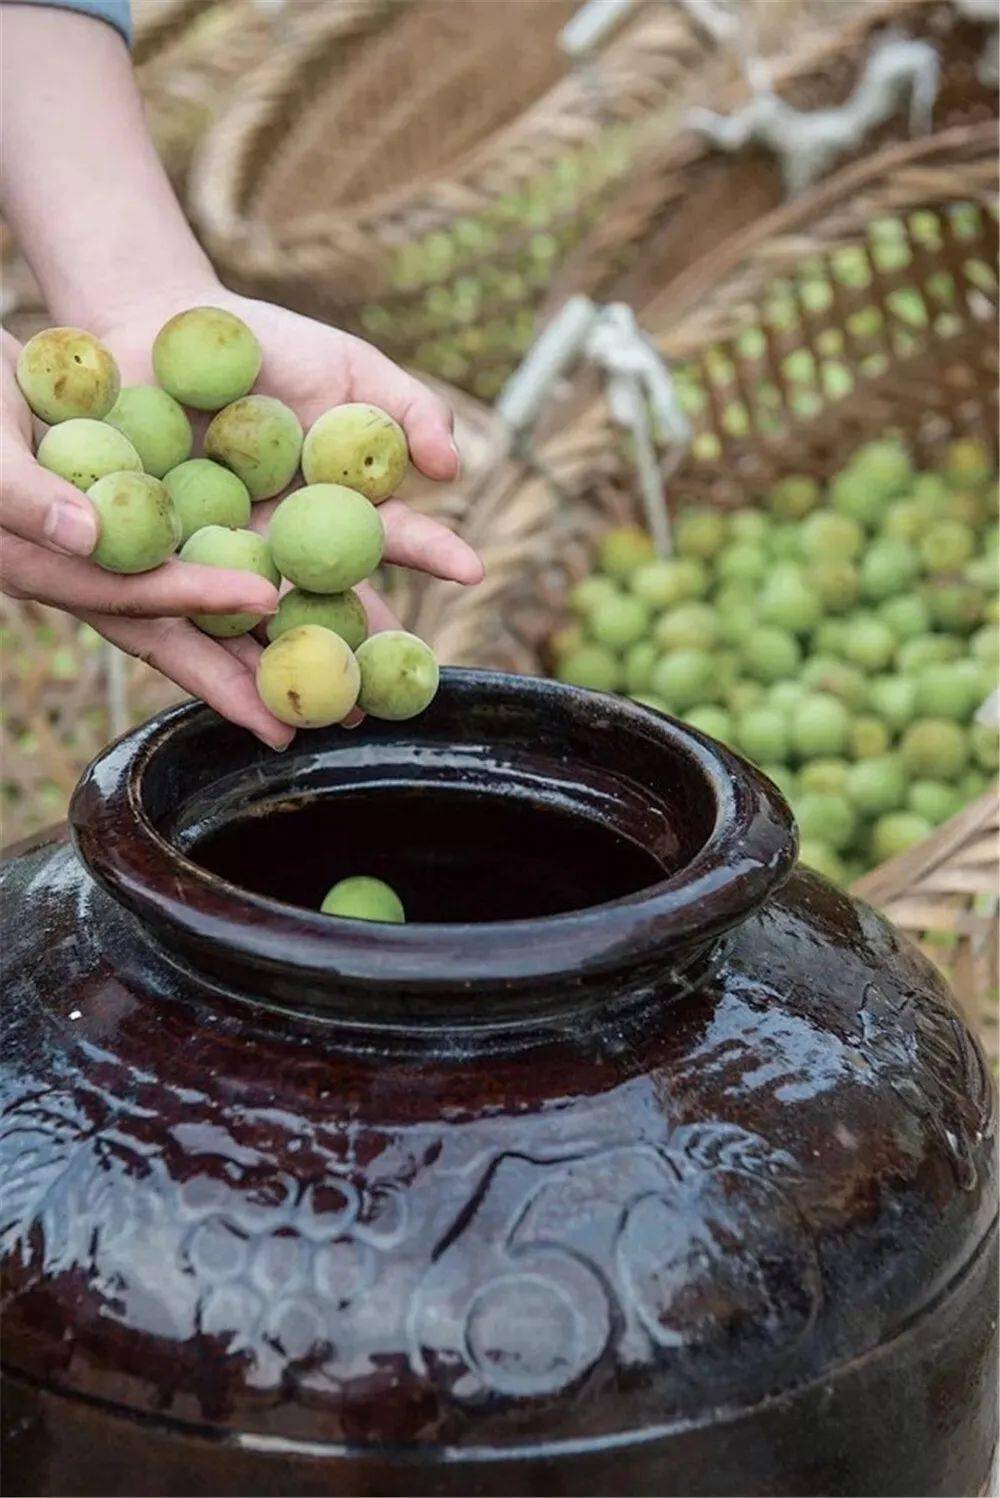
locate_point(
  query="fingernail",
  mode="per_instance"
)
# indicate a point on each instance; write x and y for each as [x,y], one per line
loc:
[458,458]
[254,606]
[71,527]
[270,743]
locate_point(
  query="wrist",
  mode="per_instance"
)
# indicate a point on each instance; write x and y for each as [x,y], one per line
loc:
[103,306]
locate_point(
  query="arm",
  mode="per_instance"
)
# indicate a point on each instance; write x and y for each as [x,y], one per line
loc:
[82,186]
[91,206]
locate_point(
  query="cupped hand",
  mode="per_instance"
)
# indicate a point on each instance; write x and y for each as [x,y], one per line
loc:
[47,527]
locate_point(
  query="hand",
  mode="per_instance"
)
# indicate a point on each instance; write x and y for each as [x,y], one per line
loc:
[48,525]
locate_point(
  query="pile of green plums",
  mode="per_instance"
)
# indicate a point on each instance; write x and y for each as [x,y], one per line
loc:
[842,639]
[130,451]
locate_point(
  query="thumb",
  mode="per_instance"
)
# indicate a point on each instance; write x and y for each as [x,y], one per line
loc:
[35,504]
[41,507]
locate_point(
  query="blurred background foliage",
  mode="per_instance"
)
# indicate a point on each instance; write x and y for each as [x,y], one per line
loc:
[439,175]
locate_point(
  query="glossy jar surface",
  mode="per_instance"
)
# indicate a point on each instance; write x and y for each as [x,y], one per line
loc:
[638,1162]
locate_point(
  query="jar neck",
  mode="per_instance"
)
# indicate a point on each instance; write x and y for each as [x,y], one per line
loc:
[715,836]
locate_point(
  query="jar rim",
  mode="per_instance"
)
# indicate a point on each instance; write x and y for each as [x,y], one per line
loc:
[221,926]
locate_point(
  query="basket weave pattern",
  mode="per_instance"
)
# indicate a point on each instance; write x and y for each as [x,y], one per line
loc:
[795,348]
[683,194]
[190,59]
[815,284]
[56,711]
[944,893]
[436,228]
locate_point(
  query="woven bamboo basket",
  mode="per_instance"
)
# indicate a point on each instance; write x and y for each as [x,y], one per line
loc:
[867,305]
[191,57]
[683,193]
[432,224]
[59,710]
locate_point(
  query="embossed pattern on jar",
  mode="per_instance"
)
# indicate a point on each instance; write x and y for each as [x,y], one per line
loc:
[692,1191]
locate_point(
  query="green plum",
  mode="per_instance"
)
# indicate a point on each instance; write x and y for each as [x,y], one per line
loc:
[357,445]
[827,674]
[971,785]
[934,800]
[736,619]
[854,497]
[344,613]
[869,642]
[985,643]
[771,654]
[741,561]
[761,733]
[82,451]
[685,679]
[618,622]
[826,775]
[828,818]
[139,526]
[662,584]
[622,550]
[714,721]
[326,538]
[946,691]
[700,533]
[785,694]
[308,677]
[893,699]
[361,898]
[906,615]
[206,357]
[260,439]
[65,373]
[926,650]
[868,738]
[785,541]
[156,426]
[887,568]
[985,744]
[585,595]
[205,493]
[954,604]
[828,535]
[947,545]
[740,696]
[748,525]
[790,601]
[983,572]
[819,726]
[897,831]
[240,550]
[934,749]
[885,469]
[876,785]
[793,497]
[837,582]
[399,675]
[829,636]
[592,667]
[907,519]
[968,461]
[931,491]
[690,626]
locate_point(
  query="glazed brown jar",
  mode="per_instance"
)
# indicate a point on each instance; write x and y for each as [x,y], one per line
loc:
[638,1162]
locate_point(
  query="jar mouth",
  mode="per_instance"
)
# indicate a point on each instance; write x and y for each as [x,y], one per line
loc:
[704,834]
